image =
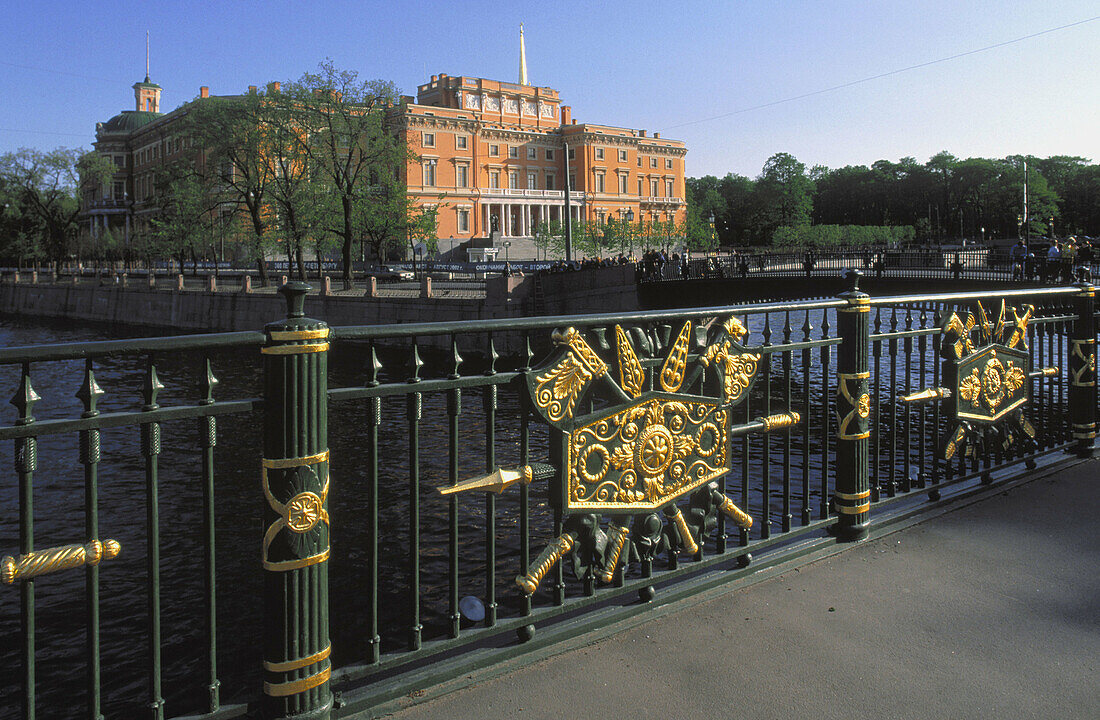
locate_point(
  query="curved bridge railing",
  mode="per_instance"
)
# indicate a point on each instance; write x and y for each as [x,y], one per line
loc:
[931,264]
[495,485]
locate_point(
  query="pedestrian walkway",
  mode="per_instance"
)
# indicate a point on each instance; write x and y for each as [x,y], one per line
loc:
[991,610]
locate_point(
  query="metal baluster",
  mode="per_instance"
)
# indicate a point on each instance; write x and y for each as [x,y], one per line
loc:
[766,459]
[524,489]
[208,430]
[89,395]
[150,448]
[26,462]
[892,484]
[807,328]
[414,409]
[746,451]
[826,416]
[374,419]
[1044,385]
[875,420]
[906,451]
[787,363]
[490,400]
[938,466]
[922,347]
[454,409]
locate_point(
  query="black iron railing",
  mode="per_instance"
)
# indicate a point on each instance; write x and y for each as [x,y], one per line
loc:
[465,504]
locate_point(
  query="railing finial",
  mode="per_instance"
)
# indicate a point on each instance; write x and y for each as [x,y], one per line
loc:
[853,276]
[295,294]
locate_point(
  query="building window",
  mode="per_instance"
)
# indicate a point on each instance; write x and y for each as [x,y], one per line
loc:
[532,181]
[494,179]
[653,188]
[118,190]
[460,142]
[622,156]
[429,173]
[494,150]
[464,221]
[549,181]
[429,139]
[599,182]
[549,153]
[599,153]
[513,179]
[120,161]
[639,186]
[572,181]
[653,162]
[462,178]
[531,153]
[639,161]
[668,164]
[668,188]
[513,152]
[622,184]
[572,153]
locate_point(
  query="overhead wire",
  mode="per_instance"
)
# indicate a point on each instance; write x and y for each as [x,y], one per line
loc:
[879,76]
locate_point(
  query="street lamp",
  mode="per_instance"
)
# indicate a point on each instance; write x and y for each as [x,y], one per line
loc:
[507,244]
[983,236]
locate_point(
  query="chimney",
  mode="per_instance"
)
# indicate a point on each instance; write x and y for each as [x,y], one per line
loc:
[566,115]
[657,135]
[252,89]
[641,133]
[204,92]
[434,78]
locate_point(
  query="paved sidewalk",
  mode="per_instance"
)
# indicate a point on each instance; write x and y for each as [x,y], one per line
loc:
[989,611]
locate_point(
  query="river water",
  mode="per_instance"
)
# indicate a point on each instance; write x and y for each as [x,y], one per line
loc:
[59,516]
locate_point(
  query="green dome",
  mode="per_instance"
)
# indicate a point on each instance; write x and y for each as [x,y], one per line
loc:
[128,121]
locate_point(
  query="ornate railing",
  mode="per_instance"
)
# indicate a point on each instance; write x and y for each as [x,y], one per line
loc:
[478,499]
[930,264]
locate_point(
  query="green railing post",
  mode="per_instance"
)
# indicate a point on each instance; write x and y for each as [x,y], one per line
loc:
[1082,367]
[852,498]
[296,525]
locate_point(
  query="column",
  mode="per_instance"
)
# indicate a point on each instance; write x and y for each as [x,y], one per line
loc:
[852,498]
[295,547]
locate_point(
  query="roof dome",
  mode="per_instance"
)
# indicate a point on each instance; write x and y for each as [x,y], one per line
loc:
[128,121]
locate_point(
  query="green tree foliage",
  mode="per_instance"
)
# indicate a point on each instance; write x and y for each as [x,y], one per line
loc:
[42,192]
[835,236]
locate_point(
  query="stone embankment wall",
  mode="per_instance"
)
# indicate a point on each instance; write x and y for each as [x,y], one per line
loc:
[589,291]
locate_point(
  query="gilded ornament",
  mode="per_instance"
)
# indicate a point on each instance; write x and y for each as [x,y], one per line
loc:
[557,389]
[863,407]
[303,512]
[971,387]
[631,375]
[672,373]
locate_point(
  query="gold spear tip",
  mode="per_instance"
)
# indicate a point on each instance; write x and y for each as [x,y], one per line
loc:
[497,481]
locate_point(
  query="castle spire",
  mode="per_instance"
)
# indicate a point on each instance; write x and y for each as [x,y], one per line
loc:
[522,58]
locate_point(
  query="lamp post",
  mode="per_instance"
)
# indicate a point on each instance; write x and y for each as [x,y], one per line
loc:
[983,236]
[507,245]
[711,219]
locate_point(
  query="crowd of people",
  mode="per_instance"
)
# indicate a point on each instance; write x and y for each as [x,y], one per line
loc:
[1054,263]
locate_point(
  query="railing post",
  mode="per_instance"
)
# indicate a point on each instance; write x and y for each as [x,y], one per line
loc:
[852,497]
[295,482]
[1082,367]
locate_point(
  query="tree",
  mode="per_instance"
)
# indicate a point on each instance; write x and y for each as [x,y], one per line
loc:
[783,195]
[48,187]
[349,144]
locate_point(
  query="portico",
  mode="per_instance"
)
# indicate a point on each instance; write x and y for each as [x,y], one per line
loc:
[517,213]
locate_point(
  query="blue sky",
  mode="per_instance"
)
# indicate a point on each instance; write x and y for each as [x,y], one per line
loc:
[667,67]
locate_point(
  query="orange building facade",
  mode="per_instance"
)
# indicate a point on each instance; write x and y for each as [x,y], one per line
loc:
[488,155]
[496,156]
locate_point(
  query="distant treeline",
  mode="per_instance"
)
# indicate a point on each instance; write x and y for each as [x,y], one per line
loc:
[942,199]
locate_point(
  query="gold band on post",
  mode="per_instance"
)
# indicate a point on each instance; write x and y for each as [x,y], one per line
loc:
[298,564]
[857,510]
[294,349]
[852,496]
[283,463]
[299,663]
[284,335]
[297,686]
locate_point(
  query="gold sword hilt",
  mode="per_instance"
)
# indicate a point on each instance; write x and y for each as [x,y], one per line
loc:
[616,540]
[677,517]
[551,554]
[740,518]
